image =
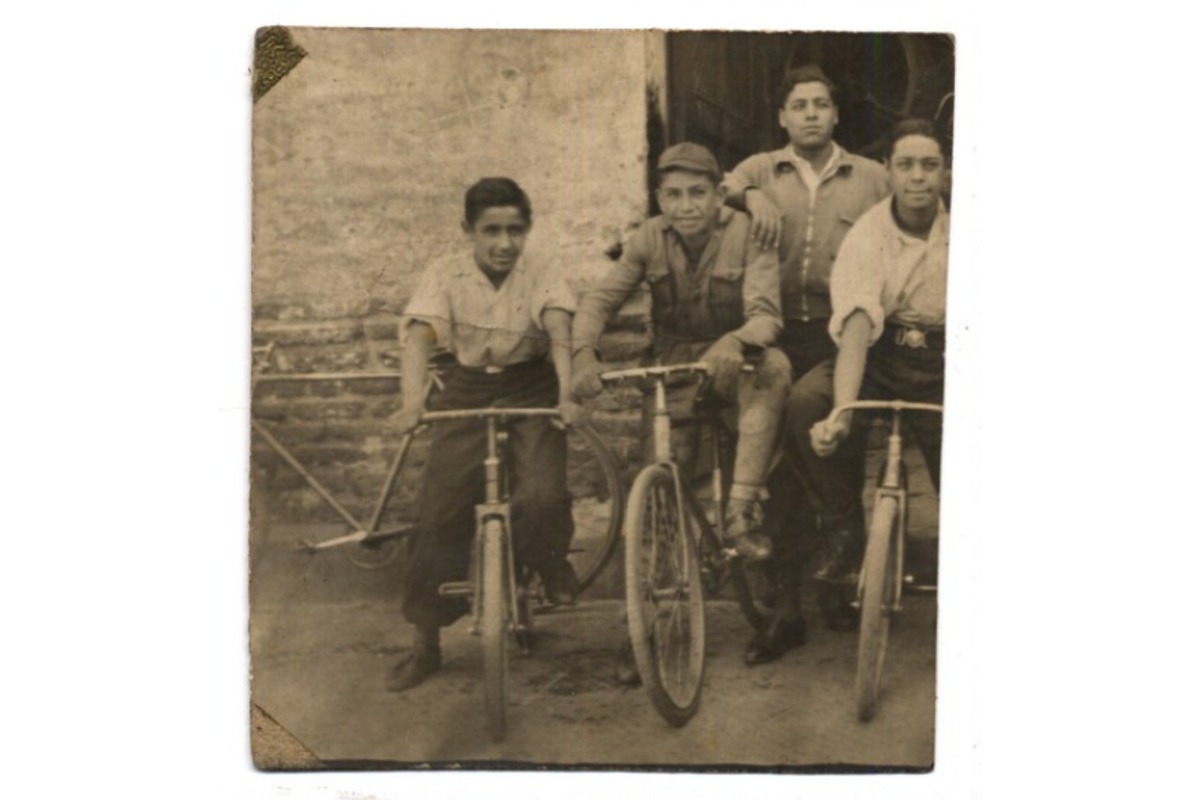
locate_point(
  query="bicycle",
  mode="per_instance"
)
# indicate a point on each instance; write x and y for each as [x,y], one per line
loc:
[882,578]
[501,602]
[674,555]
[594,482]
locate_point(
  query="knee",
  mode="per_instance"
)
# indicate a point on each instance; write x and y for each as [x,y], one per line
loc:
[769,383]
[776,367]
[809,401]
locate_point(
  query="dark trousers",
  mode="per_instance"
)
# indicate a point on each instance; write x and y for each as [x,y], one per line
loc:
[536,460]
[790,521]
[806,344]
[833,485]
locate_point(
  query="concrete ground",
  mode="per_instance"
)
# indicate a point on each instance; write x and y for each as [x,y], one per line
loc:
[320,671]
[325,634]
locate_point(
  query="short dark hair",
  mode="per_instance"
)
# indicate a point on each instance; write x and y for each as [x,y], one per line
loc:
[917,127]
[491,192]
[809,73]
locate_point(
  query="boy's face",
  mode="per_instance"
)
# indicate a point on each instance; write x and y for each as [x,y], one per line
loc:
[809,115]
[498,236]
[918,172]
[690,202]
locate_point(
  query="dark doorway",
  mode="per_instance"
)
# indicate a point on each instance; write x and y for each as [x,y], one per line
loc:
[721,86]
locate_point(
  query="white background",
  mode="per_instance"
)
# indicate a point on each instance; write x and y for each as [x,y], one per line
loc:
[1066,659]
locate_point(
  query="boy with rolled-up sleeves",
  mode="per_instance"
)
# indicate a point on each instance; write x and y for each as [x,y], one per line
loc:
[507,323]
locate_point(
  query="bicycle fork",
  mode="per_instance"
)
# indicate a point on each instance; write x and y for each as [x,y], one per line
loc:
[492,518]
[892,486]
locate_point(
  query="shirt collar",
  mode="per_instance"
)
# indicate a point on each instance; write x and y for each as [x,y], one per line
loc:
[466,268]
[785,158]
[900,238]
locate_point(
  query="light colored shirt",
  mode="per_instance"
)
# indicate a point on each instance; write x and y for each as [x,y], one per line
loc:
[891,275]
[733,288]
[486,326]
[815,218]
[809,175]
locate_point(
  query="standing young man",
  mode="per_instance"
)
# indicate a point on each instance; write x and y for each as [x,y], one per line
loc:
[508,324]
[803,199]
[889,319]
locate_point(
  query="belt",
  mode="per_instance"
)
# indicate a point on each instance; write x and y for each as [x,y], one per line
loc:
[914,337]
[500,370]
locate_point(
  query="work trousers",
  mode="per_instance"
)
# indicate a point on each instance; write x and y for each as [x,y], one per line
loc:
[753,409]
[453,483]
[790,522]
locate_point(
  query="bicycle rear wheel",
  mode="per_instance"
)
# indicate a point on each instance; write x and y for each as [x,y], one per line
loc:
[594,484]
[493,622]
[879,591]
[665,600]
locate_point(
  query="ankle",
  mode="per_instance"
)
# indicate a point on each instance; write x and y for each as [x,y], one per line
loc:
[746,493]
[427,640]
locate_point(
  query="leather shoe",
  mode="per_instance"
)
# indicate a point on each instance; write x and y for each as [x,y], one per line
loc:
[560,584]
[779,636]
[839,616]
[414,670]
[838,562]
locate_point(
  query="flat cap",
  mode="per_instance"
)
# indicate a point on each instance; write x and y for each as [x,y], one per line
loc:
[692,157]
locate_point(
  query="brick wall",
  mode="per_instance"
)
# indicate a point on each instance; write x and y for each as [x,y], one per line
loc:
[361,155]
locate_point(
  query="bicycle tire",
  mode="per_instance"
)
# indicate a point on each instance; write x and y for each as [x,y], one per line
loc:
[494,630]
[594,482]
[662,586]
[879,576]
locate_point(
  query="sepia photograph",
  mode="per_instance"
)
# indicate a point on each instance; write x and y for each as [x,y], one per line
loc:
[597,381]
[578,401]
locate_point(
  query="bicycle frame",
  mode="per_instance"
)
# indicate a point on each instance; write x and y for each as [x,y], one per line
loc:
[662,439]
[359,532]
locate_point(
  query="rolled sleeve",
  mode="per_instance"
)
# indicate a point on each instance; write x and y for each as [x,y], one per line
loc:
[552,292]
[600,301]
[856,283]
[750,174]
[760,297]
[430,304]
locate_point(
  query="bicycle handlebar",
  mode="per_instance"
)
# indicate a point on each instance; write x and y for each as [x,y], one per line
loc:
[883,405]
[694,368]
[484,413]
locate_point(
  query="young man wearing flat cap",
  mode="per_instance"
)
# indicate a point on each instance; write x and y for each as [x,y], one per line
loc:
[714,296]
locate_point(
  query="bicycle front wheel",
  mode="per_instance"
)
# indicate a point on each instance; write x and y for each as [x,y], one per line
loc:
[493,619]
[664,598]
[878,593]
